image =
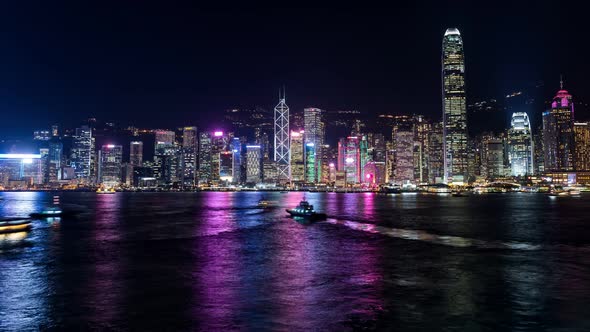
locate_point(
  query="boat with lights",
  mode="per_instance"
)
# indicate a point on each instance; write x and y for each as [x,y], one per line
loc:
[15,224]
[51,211]
[105,191]
[306,210]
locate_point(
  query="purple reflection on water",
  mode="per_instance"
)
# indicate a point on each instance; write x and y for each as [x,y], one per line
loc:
[105,286]
[217,267]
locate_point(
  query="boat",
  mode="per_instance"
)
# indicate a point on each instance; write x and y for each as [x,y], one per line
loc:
[394,189]
[459,194]
[52,211]
[574,192]
[558,193]
[105,191]
[15,224]
[266,204]
[305,210]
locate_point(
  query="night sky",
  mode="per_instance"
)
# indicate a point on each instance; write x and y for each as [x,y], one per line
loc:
[165,65]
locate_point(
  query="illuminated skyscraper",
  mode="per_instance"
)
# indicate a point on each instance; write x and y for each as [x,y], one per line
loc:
[136,153]
[436,153]
[253,164]
[520,145]
[313,138]
[226,166]
[310,163]
[454,107]
[163,140]
[349,159]
[205,149]
[82,153]
[189,156]
[282,155]
[297,157]
[582,146]
[404,156]
[236,149]
[558,136]
[110,159]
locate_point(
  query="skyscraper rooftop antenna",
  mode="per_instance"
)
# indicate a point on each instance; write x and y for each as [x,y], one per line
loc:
[560,82]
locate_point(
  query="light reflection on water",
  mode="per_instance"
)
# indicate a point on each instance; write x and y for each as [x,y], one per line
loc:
[215,261]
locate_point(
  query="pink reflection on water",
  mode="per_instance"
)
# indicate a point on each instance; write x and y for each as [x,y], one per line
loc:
[217,215]
[105,288]
[217,267]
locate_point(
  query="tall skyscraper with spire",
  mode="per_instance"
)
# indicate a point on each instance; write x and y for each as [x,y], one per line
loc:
[282,155]
[454,108]
[558,133]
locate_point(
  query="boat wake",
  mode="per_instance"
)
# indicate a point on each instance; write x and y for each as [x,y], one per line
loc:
[446,240]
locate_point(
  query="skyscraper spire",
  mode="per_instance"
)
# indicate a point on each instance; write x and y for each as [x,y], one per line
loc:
[560,82]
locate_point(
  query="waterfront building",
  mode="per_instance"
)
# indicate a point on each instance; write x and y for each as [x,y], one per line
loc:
[310,163]
[270,174]
[520,145]
[404,156]
[582,146]
[189,157]
[558,135]
[435,161]
[297,157]
[494,158]
[454,108]
[205,150]
[349,159]
[314,132]
[82,154]
[253,164]
[110,158]
[20,170]
[422,129]
[226,166]
[236,150]
[136,153]
[282,152]
[55,160]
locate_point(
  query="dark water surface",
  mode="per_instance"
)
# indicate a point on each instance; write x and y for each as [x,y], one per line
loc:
[213,261]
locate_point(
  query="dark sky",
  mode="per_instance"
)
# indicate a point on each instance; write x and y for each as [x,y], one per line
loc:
[169,64]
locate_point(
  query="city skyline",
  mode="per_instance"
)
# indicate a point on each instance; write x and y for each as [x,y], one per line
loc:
[174,90]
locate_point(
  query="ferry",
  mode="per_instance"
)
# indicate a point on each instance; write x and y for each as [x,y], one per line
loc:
[51,211]
[16,224]
[305,210]
[105,191]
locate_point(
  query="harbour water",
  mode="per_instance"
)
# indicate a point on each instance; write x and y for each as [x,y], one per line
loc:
[215,261]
